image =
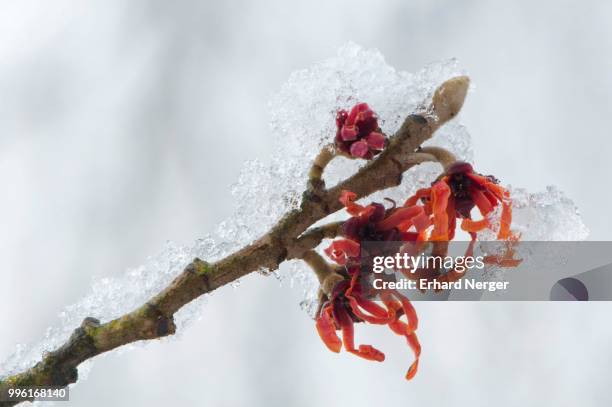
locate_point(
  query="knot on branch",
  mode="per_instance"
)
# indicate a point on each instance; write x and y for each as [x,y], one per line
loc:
[163,325]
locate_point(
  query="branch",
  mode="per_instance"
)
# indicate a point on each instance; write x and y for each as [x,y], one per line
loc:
[315,180]
[288,239]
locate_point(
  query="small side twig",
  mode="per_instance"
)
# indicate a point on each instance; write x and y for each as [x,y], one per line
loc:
[441,155]
[315,175]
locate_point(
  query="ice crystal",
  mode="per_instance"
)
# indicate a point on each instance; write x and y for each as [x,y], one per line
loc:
[302,120]
[547,216]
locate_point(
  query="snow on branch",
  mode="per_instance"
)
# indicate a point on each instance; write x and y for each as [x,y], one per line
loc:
[291,238]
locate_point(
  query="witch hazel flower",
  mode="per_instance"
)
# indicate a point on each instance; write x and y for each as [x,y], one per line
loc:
[455,194]
[358,134]
[347,305]
[375,223]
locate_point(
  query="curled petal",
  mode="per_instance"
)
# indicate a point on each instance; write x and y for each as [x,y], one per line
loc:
[477,178]
[497,190]
[372,308]
[346,326]
[399,327]
[411,315]
[474,226]
[421,193]
[505,221]
[492,199]
[481,201]
[374,315]
[347,198]
[369,352]
[398,216]
[421,222]
[414,344]
[342,250]
[440,193]
[327,331]
[348,337]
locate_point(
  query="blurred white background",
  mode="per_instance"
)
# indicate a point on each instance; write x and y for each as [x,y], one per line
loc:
[123,124]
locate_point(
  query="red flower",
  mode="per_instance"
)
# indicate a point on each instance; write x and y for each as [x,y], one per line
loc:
[452,196]
[375,223]
[455,194]
[347,306]
[358,134]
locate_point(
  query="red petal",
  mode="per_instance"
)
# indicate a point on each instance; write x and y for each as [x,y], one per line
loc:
[369,352]
[342,250]
[357,303]
[349,133]
[358,108]
[360,149]
[477,178]
[348,337]
[375,313]
[481,201]
[440,192]
[399,215]
[347,199]
[412,370]
[505,221]
[372,308]
[327,331]
[414,344]
[421,222]
[421,193]
[498,191]
[411,315]
[470,225]
[375,140]
[492,199]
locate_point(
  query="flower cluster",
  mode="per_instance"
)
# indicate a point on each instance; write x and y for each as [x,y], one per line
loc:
[347,305]
[428,216]
[358,134]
